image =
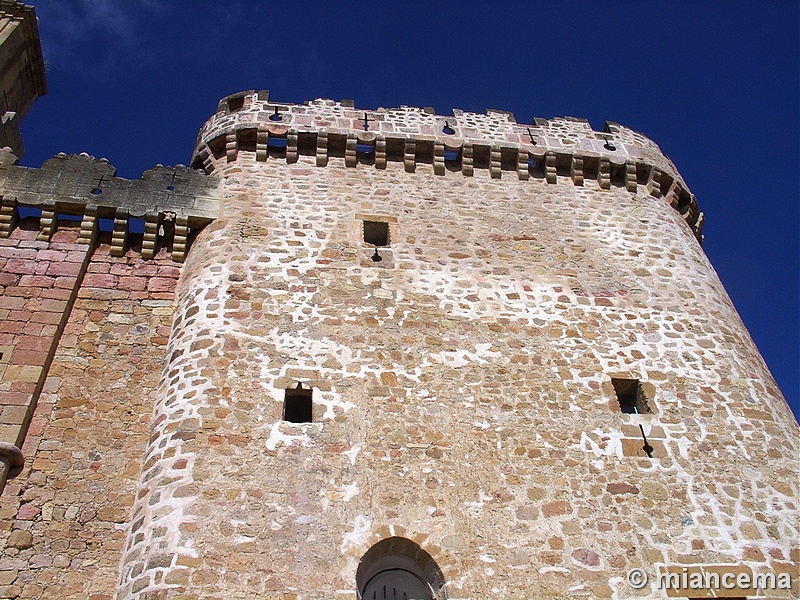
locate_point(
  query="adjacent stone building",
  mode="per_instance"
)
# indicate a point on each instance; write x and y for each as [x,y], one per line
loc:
[365,353]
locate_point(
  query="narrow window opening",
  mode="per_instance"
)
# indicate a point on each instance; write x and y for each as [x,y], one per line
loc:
[136,234]
[68,217]
[564,165]
[642,173]
[617,175]
[337,145]
[423,152]
[452,159]
[631,396]
[609,143]
[297,405]
[590,168]
[376,233]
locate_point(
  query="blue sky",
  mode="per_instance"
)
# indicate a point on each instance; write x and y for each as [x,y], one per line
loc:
[715,84]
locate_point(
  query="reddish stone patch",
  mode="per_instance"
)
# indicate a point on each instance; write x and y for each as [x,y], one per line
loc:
[162,284]
[27,512]
[554,509]
[97,280]
[69,269]
[587,557]
[622,488]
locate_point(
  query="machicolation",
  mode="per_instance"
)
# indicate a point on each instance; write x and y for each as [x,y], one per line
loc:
[546,149]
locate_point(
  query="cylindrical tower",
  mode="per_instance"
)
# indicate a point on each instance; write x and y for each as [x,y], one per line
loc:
[452,357]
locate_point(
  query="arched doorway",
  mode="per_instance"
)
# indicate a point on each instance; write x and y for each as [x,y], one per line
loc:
[398,569]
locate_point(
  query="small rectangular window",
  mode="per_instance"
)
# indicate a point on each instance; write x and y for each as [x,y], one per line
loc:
[297,405]
[631,396]
[376,233]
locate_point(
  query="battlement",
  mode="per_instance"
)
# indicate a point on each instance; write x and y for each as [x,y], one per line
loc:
[167,205]
[565,147]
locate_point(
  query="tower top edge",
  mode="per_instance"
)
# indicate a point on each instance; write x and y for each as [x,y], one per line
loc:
[252,108]
[250,120]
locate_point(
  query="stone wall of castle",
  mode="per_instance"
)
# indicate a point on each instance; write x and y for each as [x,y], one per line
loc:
[89,267]
[63,517]
[462,391]
[463,388]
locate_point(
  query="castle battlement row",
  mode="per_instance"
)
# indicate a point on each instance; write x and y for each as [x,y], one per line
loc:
[464,142]
[168,202]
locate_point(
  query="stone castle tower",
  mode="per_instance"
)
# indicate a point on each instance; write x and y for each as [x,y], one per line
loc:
[366,353]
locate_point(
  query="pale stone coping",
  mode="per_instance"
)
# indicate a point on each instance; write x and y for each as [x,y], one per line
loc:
[73,182]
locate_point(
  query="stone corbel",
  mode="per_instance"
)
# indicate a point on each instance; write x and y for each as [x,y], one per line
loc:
[604,174]
[550,173]
[495,162]
[576,170]
[88,232]
[631,178]
[179,241]
[380,152]
[322,149]
[119,237]
[150,237]
[47,222]
[467,165]
[350,159]
[262,147]
[291,146]
[438,158]
[8,216]
[231,147]
[410,156]
[523,173]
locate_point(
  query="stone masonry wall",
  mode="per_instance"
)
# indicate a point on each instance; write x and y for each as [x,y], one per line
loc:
[462,393]
[63,519]
[38,282]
